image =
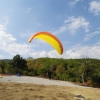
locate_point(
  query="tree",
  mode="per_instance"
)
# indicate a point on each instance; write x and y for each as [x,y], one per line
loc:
[82,72]
[19,63]
[2,65]
[86,70]
[42,71]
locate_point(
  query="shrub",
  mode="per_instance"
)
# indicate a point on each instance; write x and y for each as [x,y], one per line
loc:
[64,77]
[96,81]
[41,71]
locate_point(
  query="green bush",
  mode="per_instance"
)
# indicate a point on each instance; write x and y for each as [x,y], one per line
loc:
[73,79]
[64,77]
[25,72]
[57,77]
[95,81]
[32,72]
[41,71]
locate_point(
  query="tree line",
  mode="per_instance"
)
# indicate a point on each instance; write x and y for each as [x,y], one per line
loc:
[85,70]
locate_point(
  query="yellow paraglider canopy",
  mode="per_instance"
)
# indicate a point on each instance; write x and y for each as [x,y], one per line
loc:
[50,38]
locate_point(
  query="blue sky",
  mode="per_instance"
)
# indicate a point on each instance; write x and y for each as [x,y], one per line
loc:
[75,22]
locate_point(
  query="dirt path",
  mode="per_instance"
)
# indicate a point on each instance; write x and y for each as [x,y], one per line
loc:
[35,80]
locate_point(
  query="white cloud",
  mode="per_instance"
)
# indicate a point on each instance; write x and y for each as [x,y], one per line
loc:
[16,48]
[8,38]
[2,27]
[43,54]
[88,36]
[95,7]
[77,51]
[61,29]
[38,54]
[1,57]
[71,54]
[54,54]
[73,3]
[9,44]
[73,24]
[94,52]
[83,51]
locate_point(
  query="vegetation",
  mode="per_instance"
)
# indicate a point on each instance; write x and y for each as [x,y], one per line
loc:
[16,65]
[86,70]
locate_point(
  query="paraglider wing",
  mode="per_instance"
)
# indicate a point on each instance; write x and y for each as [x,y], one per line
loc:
[50,38]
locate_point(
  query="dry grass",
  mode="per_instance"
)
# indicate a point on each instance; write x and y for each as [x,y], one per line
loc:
[21,91]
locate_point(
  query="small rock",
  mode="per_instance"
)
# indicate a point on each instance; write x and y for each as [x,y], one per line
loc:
[79,97]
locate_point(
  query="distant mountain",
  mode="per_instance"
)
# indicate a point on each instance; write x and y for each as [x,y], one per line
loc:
[29,58]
